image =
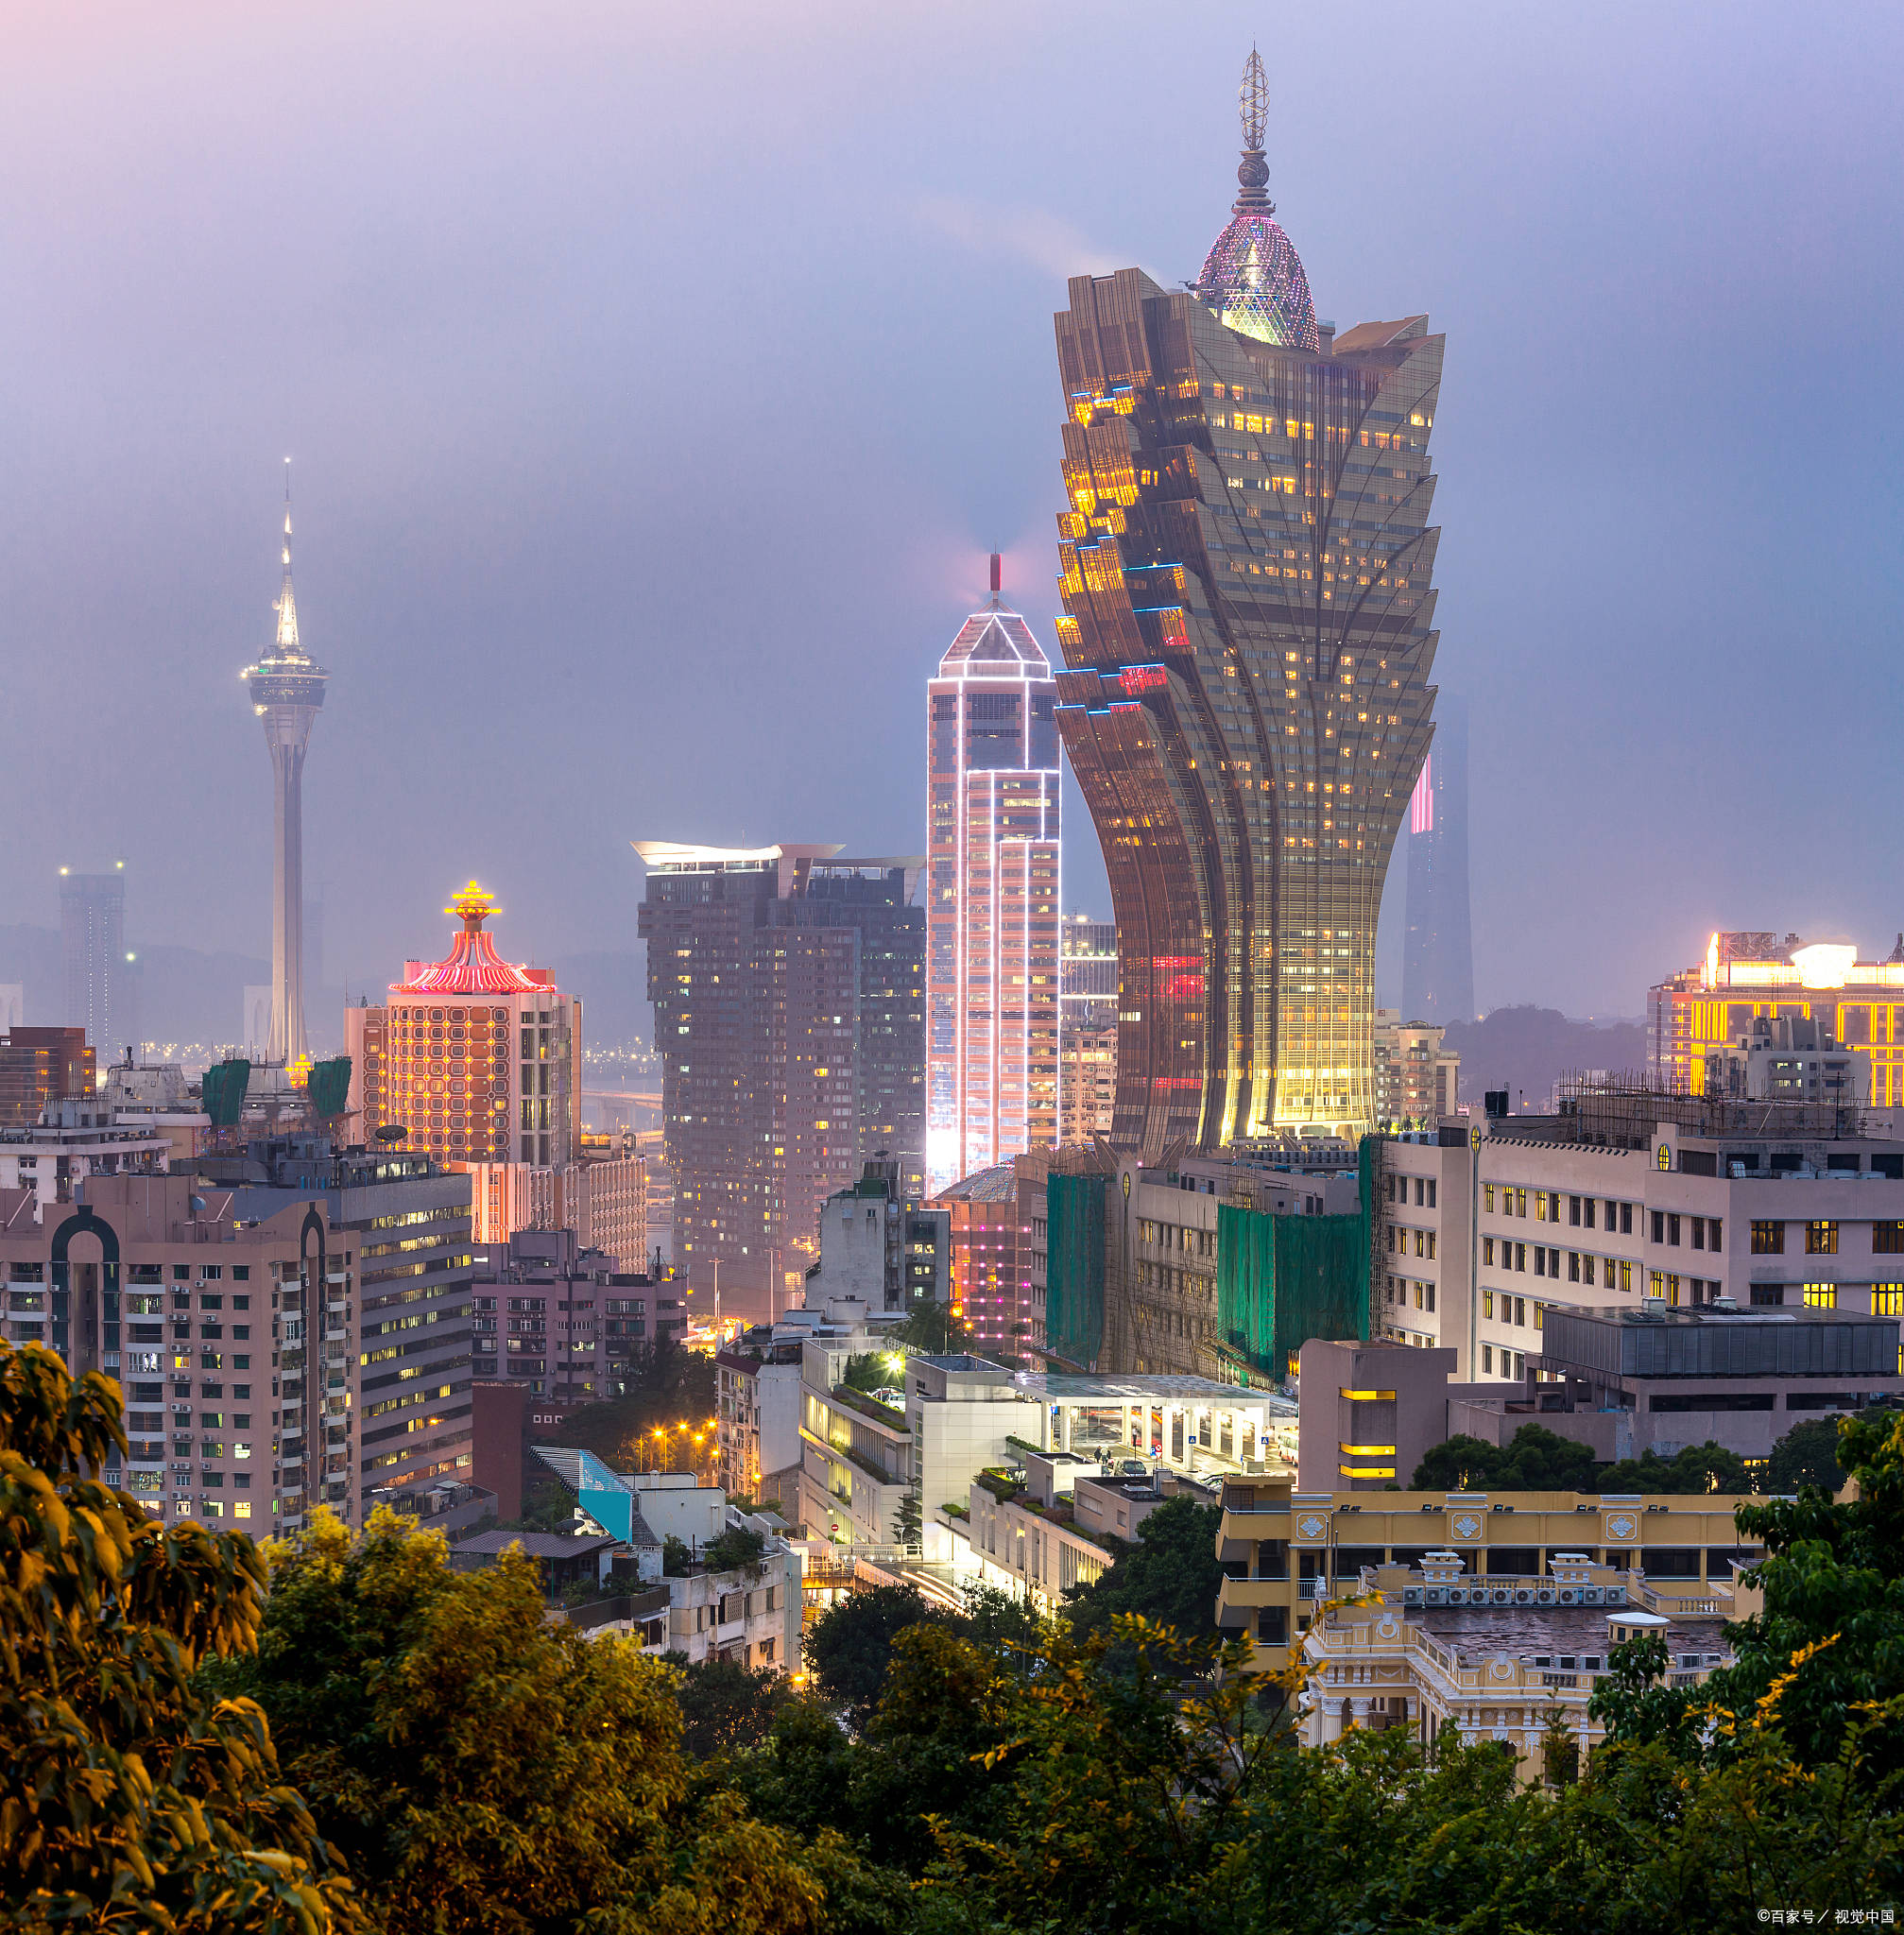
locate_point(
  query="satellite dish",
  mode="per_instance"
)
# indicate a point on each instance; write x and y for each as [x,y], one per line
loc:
[393,1132]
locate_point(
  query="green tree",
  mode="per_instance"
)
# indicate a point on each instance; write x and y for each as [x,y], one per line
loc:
[729,1550]
[1806,1455]
[1534,1459]
[933,1331]
[1829,1643]
[1696,1470]
[850,1645]
[726,1706]
[490,1770]
[1460,1464]
[1169,1575]
[133,1798]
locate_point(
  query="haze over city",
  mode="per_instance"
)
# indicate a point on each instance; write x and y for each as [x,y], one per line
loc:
[657,386]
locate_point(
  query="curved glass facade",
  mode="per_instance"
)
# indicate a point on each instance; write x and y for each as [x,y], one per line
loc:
[1247,635]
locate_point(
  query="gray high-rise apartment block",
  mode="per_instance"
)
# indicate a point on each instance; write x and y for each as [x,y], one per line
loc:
[1437,969]
[98,972]
[788,987]
[287,689]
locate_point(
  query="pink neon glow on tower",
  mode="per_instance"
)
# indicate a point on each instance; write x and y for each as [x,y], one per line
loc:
[991,937]
[1422,801]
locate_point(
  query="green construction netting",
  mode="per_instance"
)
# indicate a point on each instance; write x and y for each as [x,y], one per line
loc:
[1283,1279]
[1073,1307]
[329,1084]
[223,1093]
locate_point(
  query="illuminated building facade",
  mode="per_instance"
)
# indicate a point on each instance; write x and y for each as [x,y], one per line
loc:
[1437,962]
[1693,1018]
[287,689]
[1247,635]
[41,1065]
[992,946]
[479,1060]
[788,987]
[98,970]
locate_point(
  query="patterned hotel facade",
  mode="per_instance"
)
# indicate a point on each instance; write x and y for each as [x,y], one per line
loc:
[1248,634]
[479,1059]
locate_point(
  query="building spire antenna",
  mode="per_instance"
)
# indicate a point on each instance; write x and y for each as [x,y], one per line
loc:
[1252,103]
[997,578]
[286,606]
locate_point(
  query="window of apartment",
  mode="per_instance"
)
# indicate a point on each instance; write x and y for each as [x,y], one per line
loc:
[1656,1284]
[1487,1199]
[1540,1206]
[1625,1276]
[1822,1296]
[1887,1300]
[1673,1231]
[1521,1255]
[1487,1359]
[1714,1232]
[1698,1232]
[1659,1225]
[1487,1249]
[1887,1239]
[1430,1288]
[1587,1211]
[1766,1294]
[1625,1220]
[1487,1303]
[1574,1266]
[1431,1192]
[1521,1202]
[1420,1194]
[1821,1238]
[1540,1316]
[1768,1239]
[1539,1260]
[1573,1211]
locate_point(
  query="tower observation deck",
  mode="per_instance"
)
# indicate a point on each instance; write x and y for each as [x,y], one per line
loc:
[287,689]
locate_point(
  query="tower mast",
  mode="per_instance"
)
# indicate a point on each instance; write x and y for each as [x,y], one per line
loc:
[287,689]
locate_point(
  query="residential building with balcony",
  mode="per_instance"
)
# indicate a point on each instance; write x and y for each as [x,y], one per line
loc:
[387,1402]
[208,1319]
[73,1140]
[562,1319]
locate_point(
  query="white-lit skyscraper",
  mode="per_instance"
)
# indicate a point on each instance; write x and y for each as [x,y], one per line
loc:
[287,687]
[98,969]
[992,932]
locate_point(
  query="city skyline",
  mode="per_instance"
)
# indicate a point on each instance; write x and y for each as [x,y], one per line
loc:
[467,514]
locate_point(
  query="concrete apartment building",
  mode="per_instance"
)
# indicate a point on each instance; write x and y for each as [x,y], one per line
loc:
[1484,1231]
[1417,1081]
[210,1320]
[75,1139]
[882,1247]
[387,1382]
[563,1320]
[1494,1611]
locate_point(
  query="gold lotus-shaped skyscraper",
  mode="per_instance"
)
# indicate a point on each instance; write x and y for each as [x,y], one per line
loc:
[1248,633]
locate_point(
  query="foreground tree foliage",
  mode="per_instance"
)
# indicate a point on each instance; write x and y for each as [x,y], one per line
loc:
[485,1768]
[132,1797]
[479,1765]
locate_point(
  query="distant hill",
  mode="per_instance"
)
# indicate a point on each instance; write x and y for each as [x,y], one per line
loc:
[1526,1050]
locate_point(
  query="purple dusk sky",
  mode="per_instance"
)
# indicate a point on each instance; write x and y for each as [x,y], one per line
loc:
[657,379]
